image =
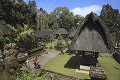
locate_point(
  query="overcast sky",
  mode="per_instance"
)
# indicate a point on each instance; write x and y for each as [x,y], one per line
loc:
[81,7]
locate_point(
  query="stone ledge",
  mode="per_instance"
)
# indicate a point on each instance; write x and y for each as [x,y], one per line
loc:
[63,76]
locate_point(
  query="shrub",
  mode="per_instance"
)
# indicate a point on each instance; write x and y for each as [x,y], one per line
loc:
[24,75]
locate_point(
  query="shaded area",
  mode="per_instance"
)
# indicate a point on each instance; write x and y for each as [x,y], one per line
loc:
[88,60]
[116,56]
[73,62]
[117,68]
[70,52]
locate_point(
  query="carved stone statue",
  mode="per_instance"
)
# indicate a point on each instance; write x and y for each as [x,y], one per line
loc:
[12,60]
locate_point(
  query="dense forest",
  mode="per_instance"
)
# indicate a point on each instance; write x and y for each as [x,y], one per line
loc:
[23,19]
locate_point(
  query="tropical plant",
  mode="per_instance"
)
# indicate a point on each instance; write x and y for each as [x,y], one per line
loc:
[36,63]
[24,75]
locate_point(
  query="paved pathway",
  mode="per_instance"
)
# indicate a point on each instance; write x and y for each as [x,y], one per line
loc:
[43,59]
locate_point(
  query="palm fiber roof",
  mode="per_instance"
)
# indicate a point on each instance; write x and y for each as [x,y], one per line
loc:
[4,30]
[92,35]
[72,34]
[39,33]
[61,31]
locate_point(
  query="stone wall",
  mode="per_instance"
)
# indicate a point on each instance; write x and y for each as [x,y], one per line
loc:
[61,76]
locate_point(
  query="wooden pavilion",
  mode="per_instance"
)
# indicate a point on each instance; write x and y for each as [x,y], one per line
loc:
[61,31]
[39,34]
[92,36]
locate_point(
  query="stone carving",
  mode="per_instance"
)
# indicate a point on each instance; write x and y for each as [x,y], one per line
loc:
[97,73]
[12,60]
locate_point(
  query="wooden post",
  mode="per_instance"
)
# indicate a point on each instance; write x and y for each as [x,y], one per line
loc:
[96,54]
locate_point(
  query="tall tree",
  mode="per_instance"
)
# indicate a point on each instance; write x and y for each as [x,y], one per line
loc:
[33,12]
[62,17]
[42,19]
[111,17]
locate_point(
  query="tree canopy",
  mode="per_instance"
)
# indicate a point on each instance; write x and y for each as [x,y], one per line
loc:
[112,19]
[24,19]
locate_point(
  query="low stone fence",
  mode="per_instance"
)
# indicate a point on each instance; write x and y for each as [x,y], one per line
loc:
[61,76]
[116,56]
[34,50]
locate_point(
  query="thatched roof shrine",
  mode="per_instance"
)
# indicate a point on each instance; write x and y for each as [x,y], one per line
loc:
[92,35]
[61,31]
[4,30]
[72,34]
[39,33]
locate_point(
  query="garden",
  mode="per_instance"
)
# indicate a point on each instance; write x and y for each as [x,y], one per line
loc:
[36,45]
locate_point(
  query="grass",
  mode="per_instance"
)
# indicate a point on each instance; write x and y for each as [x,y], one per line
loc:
[112,68]
[66,64]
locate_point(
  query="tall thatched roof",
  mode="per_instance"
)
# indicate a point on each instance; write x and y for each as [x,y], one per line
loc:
[61,31]
[39,33]
[72,34]
[4,30]
[92,35]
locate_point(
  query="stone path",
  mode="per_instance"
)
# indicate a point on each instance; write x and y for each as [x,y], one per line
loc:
[43,59]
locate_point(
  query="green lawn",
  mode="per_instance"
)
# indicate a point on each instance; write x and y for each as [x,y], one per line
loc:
[66,64]
[112,67]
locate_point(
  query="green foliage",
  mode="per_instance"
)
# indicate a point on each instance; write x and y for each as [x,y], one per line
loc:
[11,28]
[15,12]
[50,46]
[20,28]
[111,17]
[42,19]
[62,44]
[28,76]
[62,17]
[25,39]
[57,43]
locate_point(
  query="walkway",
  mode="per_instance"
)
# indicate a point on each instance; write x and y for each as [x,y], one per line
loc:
[43,59]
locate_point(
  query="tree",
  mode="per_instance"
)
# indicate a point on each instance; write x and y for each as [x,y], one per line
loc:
[77,20]
[33,13]
[62,17]
[111,17]
[42,19]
